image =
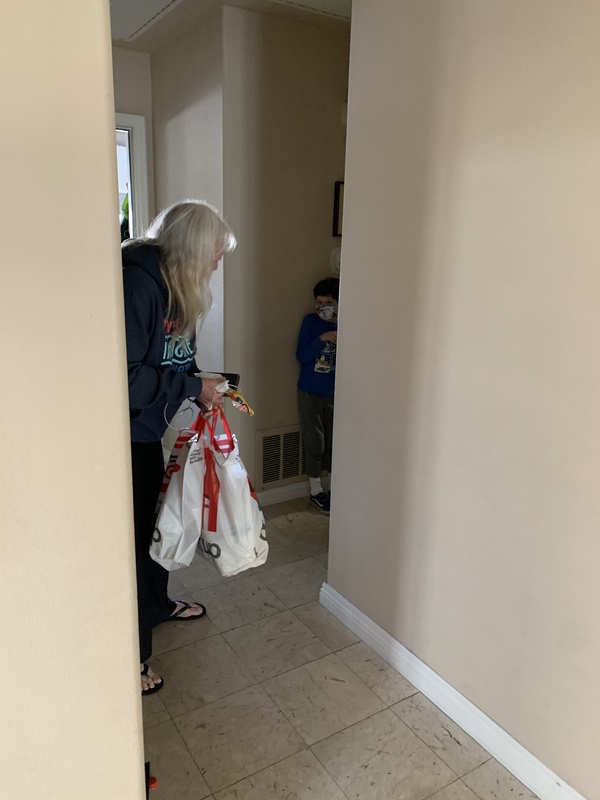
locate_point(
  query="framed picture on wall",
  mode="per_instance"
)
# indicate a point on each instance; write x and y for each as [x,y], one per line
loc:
[338,208]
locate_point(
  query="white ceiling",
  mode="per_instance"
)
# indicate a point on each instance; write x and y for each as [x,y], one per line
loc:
[150,22]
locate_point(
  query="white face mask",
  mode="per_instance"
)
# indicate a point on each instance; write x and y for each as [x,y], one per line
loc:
[327,313]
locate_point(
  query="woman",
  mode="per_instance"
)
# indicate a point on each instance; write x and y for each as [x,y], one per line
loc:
[166,277]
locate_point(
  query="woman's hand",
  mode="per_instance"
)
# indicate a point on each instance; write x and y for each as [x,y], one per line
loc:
[209,396]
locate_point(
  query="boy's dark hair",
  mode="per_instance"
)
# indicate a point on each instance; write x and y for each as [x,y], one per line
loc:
[328,286]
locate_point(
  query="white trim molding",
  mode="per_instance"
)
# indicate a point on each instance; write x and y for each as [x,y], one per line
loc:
[499,744]
[280,494]
[293,491]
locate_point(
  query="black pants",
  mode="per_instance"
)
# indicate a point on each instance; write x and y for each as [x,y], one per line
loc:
[154,605]
[316,424]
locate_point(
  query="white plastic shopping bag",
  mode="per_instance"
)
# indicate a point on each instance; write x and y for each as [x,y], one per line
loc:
[233,531]
[179,520]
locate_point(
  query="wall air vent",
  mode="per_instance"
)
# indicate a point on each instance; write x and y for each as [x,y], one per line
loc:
[280,457]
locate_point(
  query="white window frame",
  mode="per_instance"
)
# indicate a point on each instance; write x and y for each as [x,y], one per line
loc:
[140,200]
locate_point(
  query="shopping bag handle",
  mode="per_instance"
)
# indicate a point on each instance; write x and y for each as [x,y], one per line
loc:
[210,426]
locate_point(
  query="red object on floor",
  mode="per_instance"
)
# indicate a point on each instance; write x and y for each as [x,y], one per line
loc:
[153,782]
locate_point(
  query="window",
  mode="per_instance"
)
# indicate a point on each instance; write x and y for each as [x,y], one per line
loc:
[133,174]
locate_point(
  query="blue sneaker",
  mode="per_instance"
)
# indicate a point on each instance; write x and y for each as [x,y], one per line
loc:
[320,501]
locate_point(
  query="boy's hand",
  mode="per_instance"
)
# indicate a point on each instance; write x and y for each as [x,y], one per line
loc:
[329,336]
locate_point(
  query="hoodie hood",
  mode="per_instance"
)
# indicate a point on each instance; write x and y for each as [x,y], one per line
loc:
[145,256]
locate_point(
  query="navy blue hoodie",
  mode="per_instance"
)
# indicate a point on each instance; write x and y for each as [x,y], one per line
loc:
[160,375]
[317,358]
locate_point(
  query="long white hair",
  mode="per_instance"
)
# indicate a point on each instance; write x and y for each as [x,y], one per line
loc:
[191,236]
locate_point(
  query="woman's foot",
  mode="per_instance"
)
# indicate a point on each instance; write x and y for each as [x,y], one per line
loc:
[187,611]
[151,682]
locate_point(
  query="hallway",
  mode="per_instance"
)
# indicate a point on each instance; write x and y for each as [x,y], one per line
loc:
[271,698]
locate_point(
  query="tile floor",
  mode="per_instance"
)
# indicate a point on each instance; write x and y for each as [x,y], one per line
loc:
[271,698]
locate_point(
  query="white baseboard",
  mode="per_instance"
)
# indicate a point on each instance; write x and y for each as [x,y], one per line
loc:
[292,491]
[512,755]
[282,493]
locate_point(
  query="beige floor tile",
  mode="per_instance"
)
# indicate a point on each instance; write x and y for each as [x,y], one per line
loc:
[314,539]
[239,602]
[456,791]
[330,630]
[285,511]
[379,676]
[282,550]
[451,743]
[201,574]
[301,526]
[299,777]
[171,763]
[492,781]
[170,635]
[297,515]
[176,587]
[322,697]
[200,673]
[238,736]
[296,584]
[275,645]
[154,710]
[381,759]
[323,559]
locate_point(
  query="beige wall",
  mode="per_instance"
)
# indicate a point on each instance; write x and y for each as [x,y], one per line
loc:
[132,82]
[187,84]
[70,723]
[466,506]
[285,83]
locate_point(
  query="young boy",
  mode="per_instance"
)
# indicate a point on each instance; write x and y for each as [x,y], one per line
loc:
[316,351]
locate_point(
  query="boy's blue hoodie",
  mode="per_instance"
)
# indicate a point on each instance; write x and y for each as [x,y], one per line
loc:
[317,358]
[160,374]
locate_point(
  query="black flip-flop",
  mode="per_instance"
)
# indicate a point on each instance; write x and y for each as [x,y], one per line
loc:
[157,686]
[176,615]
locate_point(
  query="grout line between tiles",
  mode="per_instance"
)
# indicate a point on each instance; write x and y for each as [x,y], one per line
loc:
[260,681]
[431,748]
[290,538]
[256,682]
[443,789]
[229,630]
[310,746]
[394,702]
[200,769]
[466,775]
[457,778]
[180,646]
[304,602]
[224,697]
[156,724]
[269,766]
[331,735]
